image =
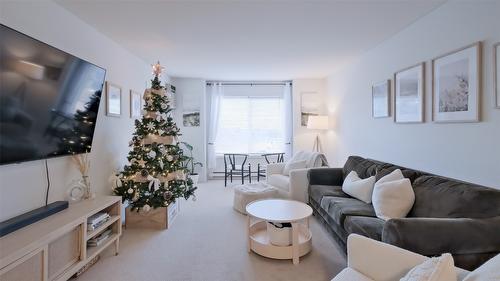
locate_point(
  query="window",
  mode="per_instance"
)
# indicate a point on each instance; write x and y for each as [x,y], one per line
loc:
[251,125]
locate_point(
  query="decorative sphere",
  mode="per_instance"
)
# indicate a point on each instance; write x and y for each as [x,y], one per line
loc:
[144,173]
[146,208]
[130,191]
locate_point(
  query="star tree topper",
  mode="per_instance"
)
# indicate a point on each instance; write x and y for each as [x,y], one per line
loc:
[157,69]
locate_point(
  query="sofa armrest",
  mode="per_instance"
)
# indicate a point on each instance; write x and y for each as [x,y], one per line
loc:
[326,176]
[299,185]
[379,261]
[274,168]
[434,236]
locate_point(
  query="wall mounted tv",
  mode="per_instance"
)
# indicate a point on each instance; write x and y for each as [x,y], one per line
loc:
[49,99]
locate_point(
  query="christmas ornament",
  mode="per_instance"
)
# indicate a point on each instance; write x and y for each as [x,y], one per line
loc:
[163,106]
[170,158]
[146,208]
[144,173]
[152,154]
[167,195]
[141,163]
[130,191]
[150,126]
[160,132]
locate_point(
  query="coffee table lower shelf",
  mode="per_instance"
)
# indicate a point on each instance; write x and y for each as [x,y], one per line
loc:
[260,244]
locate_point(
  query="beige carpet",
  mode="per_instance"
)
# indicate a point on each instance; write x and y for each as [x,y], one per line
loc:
[207,242]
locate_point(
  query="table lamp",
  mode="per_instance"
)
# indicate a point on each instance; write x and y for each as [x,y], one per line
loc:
[317,122]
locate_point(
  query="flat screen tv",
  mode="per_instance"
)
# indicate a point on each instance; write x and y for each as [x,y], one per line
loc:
[49,99]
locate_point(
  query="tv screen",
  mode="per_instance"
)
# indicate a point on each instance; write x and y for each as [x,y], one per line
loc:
[49,99]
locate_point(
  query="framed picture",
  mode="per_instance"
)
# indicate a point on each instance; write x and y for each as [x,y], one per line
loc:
[456,85]
[191,118]
[496,70]
[409,89]
[135,104]
[310,105]
[381,99]
[113,99]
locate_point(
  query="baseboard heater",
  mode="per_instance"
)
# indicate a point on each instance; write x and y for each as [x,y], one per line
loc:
[30,217]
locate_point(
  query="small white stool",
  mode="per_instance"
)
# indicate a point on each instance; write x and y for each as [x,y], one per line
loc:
[246,193]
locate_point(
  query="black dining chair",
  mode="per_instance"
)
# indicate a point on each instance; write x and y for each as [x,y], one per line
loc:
[270,158]
[234,164]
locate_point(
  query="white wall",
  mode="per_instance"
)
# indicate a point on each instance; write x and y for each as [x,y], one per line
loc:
[190,95]
[22,186]
[303,138]
[467,151]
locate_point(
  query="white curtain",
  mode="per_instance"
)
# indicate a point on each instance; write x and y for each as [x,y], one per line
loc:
[216,94]
[287,114]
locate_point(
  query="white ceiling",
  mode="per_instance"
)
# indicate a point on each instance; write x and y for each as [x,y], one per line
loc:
[249,40]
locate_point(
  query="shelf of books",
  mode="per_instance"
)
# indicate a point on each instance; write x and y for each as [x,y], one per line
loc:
[92,232]
[92,251]
[103,229]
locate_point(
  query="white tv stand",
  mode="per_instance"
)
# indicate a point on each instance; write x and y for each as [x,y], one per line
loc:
[55,248]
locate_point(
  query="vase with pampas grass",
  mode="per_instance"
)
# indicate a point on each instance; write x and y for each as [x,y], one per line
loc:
[82,162]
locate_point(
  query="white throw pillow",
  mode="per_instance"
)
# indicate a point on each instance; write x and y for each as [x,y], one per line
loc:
[294,166]
[394,175]
[359,188]
[393,199]
[434,269]
[489,271]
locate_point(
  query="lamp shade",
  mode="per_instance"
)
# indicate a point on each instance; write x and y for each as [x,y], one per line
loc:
[318,122]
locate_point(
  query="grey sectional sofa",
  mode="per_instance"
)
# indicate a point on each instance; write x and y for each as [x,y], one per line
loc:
[448,216]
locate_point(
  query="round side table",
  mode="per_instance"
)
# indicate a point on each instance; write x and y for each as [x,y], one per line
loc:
[279,211]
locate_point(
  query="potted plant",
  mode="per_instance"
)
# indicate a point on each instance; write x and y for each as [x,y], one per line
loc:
[190,164]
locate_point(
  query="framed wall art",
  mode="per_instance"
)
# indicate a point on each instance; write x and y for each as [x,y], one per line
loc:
[496,56]
[456,85]
[409,90]
[310,105]
[113,99]
[381,99]
[135,104]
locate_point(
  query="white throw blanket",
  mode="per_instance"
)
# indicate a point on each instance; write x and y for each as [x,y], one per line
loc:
[314,159]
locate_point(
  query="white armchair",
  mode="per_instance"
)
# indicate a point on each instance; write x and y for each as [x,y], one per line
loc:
[294,186]
[368,259]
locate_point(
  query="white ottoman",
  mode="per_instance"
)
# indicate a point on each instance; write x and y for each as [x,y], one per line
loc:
[246,193]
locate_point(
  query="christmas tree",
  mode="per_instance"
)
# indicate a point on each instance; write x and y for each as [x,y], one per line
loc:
[156,174]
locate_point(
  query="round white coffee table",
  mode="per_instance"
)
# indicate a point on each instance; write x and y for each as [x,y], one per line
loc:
[279,211]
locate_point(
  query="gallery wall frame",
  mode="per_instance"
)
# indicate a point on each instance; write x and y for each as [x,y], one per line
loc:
[113,99]
[496,74]
[381,99]
[409,104]
[135,104]
[310,105]
[456,85]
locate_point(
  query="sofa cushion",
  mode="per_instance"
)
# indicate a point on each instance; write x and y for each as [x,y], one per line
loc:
[440,197]
[366,226]
[388,168]
[317,192]
[279,181]
[349,274]
[364,167]
[340,207]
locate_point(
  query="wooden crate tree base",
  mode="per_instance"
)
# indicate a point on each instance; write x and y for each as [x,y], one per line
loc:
[159,218]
